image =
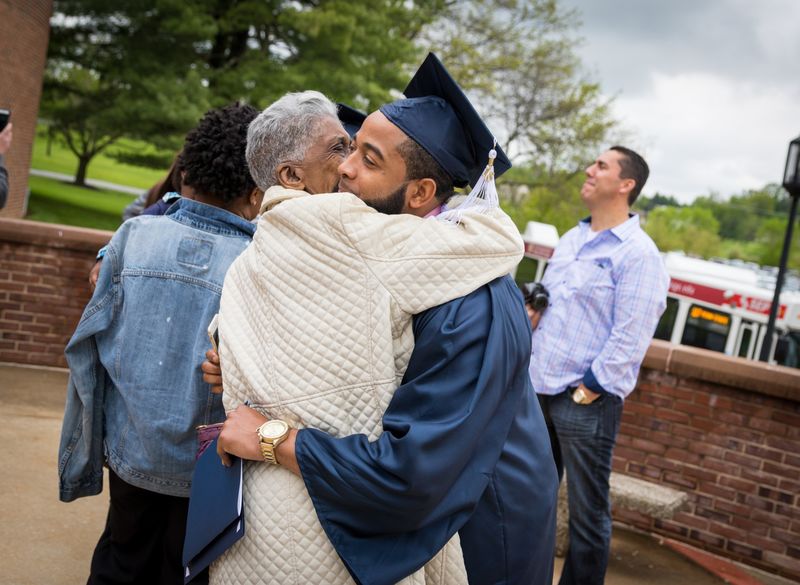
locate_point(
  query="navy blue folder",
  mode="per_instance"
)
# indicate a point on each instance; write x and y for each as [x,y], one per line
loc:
[216,512]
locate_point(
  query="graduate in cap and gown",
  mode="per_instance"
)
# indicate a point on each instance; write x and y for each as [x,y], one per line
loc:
[464,447]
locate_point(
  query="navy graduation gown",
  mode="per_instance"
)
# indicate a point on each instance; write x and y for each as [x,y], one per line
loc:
[464,448]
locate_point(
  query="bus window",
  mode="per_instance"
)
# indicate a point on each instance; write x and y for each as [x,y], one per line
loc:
[787,350]
[667,322]
[746,339]
[706,328]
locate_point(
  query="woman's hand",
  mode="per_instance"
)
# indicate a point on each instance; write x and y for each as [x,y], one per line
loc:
[239,435]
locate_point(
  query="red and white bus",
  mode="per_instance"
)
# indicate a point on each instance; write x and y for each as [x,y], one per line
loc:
[711,305]
[725,308]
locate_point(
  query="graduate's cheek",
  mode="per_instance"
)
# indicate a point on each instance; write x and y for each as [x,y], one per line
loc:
[357,178]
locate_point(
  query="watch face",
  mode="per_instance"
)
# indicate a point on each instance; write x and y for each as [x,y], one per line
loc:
[273,429]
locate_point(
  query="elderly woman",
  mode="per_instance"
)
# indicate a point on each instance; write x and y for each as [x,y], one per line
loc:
[135,392]
[315,319]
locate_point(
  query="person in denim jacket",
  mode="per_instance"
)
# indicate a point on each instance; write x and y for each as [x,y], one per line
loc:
[135,391]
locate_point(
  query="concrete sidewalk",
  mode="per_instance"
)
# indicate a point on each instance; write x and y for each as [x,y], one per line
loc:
[42,541]
[46,542]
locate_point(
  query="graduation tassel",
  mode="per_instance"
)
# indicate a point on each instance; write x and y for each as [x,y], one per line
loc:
[483,197]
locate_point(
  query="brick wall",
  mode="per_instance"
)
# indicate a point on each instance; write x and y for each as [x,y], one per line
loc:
[722,429]
[24,34]
[43,288]
[727,432]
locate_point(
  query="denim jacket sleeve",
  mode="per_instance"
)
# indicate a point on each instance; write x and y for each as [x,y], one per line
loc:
[80,452]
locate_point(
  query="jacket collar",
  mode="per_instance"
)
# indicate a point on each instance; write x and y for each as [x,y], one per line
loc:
[209,218]
[276,194]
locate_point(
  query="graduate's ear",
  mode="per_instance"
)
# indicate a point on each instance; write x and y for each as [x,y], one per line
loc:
[421,194]
[291,176]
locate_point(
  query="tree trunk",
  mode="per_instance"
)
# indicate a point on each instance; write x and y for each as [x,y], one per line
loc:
[80,174]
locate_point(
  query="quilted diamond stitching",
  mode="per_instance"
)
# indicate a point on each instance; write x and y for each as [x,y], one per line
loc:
[350,344]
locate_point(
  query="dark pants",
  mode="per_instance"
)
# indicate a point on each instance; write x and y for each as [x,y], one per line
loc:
[582,437]
[143,539]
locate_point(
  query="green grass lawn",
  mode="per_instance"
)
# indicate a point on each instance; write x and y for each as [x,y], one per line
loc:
[52,201]
[526,271]
[102,167]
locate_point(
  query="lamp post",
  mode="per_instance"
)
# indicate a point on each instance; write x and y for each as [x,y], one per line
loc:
[791,182]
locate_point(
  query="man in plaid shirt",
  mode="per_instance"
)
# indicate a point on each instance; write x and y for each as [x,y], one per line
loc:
[608,288]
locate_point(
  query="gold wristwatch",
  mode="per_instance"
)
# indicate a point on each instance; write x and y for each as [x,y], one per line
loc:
[580,397]
[271,434]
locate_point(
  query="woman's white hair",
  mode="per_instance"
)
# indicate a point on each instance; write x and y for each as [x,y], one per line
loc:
[284,132]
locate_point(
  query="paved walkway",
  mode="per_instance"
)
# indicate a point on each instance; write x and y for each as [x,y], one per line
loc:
[42,541]
[46,542]
[91,182]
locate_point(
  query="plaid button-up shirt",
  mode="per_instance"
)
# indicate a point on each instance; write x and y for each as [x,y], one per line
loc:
[606,296]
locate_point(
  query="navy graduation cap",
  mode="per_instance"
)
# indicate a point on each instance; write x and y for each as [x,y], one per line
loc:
[350,118]
[438,116]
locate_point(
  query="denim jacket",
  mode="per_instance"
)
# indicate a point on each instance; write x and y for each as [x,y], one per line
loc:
[135,391]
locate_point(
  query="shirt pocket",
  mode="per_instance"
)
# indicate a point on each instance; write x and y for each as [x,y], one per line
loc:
[596,286]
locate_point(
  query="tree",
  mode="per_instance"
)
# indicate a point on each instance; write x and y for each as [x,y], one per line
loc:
[149,68]
[741,215]
[693,230]
[518,58]
[122,69]
[645,204]
[553,197]
[769,240]
[354,51]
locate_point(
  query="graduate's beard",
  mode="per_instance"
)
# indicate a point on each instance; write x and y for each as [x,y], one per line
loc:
[393,203]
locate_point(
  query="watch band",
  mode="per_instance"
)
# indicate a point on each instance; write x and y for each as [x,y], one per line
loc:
[268,450]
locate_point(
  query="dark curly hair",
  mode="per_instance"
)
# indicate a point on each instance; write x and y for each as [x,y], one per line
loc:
[213,155]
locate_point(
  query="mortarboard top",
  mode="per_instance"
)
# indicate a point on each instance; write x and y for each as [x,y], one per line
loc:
[350,118]
[438,116]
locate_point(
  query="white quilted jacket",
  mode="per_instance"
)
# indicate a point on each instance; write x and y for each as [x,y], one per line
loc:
[315,327]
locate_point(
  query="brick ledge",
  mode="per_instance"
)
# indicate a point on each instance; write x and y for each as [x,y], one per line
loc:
[52,235]
[712,366]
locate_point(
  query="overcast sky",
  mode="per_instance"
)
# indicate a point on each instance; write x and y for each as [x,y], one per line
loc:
[708,90]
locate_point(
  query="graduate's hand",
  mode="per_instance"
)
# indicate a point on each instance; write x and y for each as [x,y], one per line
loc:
[212,372]
[239,435]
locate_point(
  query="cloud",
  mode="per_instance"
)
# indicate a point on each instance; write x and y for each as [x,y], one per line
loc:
[625,39]
[709,90]
[702,132]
